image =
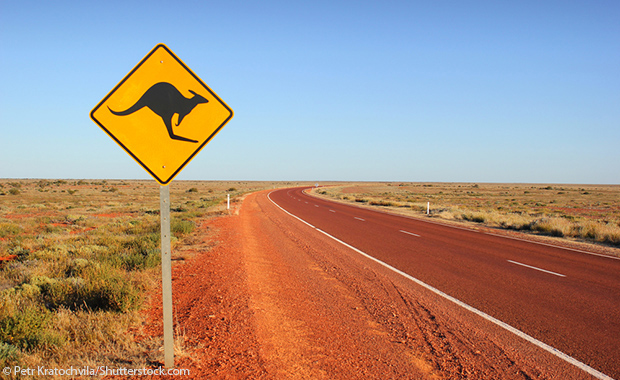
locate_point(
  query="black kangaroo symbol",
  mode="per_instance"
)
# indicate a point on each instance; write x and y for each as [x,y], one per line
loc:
[165,100]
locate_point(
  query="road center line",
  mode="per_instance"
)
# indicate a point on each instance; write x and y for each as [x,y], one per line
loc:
[409,233]
[554,351]
[332,211]
[363,220]
[531,267]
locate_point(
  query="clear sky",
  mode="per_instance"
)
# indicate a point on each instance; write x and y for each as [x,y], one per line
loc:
[455,91]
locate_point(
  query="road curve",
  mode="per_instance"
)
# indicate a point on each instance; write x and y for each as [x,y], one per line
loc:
[564,298]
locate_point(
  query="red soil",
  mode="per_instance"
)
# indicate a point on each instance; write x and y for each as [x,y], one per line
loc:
[260,296]
[8,258]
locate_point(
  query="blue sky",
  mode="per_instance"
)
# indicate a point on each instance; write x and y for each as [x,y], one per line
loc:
[479,91]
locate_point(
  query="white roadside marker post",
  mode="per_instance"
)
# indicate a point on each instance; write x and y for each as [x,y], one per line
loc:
[228,202]
[428,208]
[166,275]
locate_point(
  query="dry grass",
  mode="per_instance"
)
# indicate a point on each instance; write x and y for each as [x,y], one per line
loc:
[584,212]
[82,258]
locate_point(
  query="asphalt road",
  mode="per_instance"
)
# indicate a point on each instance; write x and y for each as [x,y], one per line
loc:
[568,299]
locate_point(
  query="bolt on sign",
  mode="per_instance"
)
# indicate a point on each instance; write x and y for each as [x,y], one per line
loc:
[162,114]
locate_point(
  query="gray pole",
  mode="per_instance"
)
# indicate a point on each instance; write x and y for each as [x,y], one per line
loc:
[166,275]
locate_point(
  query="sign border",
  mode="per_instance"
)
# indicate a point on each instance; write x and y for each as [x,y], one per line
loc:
[161,181]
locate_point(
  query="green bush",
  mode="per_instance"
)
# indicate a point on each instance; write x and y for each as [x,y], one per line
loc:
[77,267]
[9,229]
[9,354]
[137,253]
[132,261]
[110,291]
[101,288]
[143,227]
[181,227]
[208,202]
[142,244]
[23,322]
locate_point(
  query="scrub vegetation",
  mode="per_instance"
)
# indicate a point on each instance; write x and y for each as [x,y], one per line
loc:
[589,213]
[78,259]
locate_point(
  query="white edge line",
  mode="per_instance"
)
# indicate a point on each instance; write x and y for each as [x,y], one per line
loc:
[409,233]
[536,268]
[470,229]
[554,246]
[363,220]
[584,367]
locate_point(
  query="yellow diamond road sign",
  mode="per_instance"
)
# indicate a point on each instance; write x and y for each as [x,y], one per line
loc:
[162,114]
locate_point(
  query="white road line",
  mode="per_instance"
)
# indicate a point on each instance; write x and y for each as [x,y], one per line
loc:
[554,246]
[569,359]
[355,217]
[332,211]
[409,233]
[531,267]
[316,205]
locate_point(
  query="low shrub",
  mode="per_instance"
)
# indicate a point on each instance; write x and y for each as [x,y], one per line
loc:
[181,227]
[477,217]
[25,329]
[142,244]
[381,203]
[132,261]
[9,354]
[23,321]
[9,229]
[552,226]
[101,288]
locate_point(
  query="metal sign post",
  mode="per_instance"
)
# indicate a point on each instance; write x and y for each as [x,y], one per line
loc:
[166,275]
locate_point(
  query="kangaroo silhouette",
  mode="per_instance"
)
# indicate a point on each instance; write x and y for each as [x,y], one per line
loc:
[165,100]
